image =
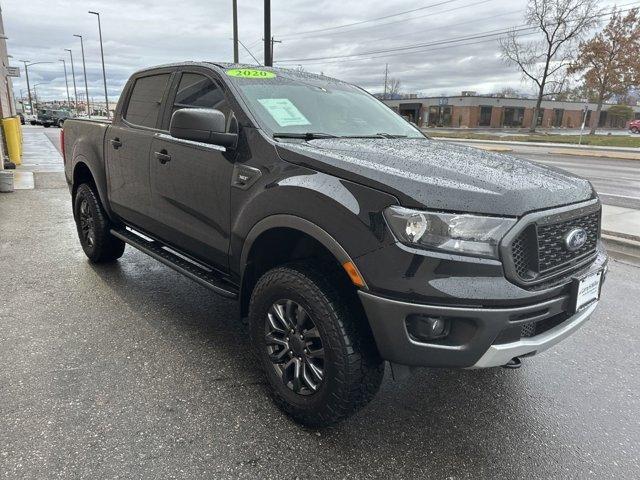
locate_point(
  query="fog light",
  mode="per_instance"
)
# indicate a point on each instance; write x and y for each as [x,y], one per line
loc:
[424,328]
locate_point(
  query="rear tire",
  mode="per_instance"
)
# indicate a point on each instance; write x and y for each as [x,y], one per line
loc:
[322,366]
[94,227]
[635,130]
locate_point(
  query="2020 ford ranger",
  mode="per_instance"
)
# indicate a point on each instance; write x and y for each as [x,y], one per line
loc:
[348,237]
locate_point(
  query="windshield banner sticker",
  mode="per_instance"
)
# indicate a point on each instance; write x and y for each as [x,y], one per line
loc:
[284,112]
[250,73]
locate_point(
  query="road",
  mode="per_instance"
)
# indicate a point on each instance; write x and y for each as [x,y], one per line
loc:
[617,181]
[133,371]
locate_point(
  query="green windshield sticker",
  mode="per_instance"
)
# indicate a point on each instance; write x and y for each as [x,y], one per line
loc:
[284,112]
[250,73]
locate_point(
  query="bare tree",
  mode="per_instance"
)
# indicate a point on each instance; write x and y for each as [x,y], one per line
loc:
[509,92]
[393,87]
[610,60]
[560,25]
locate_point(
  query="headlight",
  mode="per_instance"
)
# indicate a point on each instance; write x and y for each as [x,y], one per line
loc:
[458,233]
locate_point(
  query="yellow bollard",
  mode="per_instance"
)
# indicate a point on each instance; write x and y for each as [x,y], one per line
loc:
[19,133]
[11,129]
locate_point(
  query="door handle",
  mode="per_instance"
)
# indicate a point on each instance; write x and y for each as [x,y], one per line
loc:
[116,143]
[163,157]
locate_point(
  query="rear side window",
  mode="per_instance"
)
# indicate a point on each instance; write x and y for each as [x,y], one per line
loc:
[146,99]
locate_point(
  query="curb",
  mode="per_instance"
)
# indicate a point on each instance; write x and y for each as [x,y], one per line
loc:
[540,144]
[622,236]
[600,154]
[621,244]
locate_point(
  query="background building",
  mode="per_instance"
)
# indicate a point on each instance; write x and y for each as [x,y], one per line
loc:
[476,111]
[7,104]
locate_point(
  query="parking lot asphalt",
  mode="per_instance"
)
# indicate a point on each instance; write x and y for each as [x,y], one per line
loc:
[133,371]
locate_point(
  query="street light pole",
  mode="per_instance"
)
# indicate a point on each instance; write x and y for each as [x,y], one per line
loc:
[66,81]
[26,74]
[35,92]
[27,64]
[104,73]
[73,75]
[84,68]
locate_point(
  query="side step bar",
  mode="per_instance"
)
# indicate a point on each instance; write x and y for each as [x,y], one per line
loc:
[201,274]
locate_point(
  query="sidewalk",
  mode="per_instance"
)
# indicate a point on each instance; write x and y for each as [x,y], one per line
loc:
[39,155]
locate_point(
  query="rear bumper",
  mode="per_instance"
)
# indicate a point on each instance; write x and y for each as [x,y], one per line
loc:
[479,337]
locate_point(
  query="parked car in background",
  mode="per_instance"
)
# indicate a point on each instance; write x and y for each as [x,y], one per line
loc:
[347,236]
[634,126]
[48,118]
[21,117]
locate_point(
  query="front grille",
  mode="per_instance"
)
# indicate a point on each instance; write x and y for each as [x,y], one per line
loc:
[514,333]
[551,251]
[532,329]
[538,252]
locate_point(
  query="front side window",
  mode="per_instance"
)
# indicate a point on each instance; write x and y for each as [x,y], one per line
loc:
[198,91]
[146,99]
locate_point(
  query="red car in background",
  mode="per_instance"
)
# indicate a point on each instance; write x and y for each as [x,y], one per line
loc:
[634,126]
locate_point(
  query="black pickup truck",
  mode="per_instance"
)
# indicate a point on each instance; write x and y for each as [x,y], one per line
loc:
[347,236]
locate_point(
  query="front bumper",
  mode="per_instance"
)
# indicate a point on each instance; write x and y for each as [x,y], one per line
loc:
[479,337]
[498,355]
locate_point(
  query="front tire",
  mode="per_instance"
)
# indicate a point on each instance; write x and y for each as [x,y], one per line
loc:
[635,130]
[313,343]
[94,227]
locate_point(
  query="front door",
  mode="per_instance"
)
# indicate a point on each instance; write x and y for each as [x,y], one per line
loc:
[127,147]
[191,182]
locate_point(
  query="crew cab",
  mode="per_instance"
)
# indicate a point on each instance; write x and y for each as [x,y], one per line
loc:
[349,239]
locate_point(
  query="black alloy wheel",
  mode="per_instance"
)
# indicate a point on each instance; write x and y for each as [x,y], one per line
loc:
[294,346]
[94,227]
[86,224]
[311,339]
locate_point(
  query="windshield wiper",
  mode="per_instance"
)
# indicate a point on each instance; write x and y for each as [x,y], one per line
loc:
[390,135]
[377,135]
[305,136]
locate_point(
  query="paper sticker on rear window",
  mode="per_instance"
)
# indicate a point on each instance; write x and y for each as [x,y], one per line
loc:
[284,112]
[250,73]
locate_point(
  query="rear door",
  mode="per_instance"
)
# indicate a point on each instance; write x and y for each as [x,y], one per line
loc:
[191,181]
[128,143]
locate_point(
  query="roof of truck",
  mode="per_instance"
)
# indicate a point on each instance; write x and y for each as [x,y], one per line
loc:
[290,72]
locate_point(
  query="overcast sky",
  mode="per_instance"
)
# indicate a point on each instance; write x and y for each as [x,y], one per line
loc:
[140,33]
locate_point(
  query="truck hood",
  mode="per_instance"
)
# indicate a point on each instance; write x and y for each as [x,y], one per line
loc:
[437,175]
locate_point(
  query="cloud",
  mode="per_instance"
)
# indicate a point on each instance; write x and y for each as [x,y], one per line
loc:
[141,33]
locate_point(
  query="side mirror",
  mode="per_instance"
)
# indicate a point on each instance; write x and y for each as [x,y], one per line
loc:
[205,125]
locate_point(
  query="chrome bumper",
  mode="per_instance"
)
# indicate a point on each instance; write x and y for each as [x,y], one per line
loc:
[499,355]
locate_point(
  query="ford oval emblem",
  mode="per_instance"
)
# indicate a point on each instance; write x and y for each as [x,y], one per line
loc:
[575,239]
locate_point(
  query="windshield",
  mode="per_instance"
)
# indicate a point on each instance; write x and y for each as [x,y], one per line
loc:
[285,104]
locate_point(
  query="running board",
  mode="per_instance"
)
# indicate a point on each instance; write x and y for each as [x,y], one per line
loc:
[200,273]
